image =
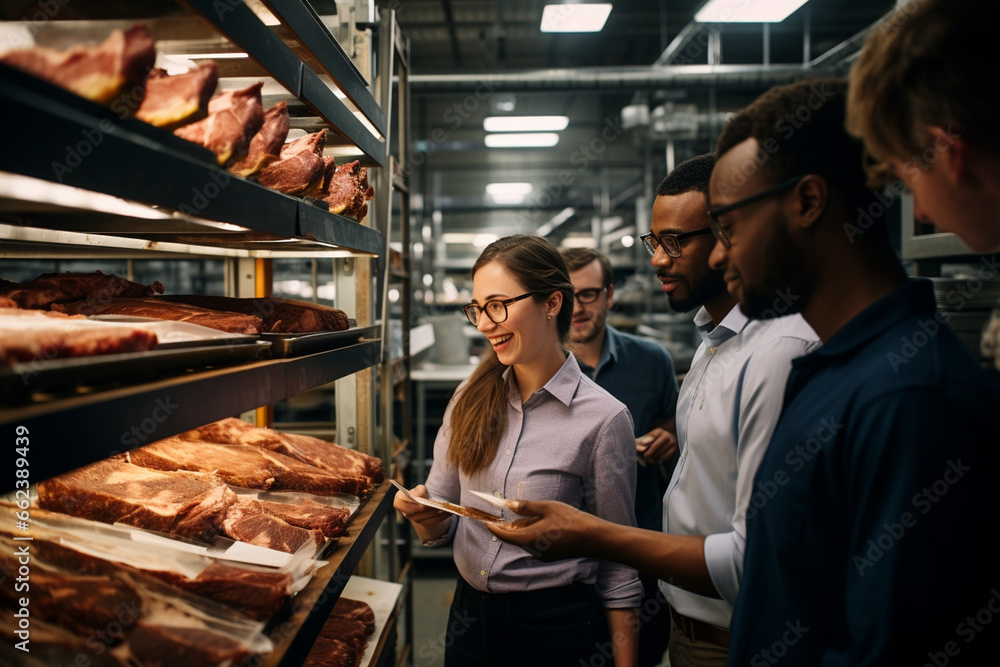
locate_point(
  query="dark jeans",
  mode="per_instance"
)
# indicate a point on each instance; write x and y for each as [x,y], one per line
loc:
[548,627]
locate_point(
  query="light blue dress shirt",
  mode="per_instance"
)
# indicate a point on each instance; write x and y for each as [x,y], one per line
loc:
[727,409]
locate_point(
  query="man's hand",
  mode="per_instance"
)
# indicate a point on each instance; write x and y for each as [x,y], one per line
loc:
[560,532]
[656,446]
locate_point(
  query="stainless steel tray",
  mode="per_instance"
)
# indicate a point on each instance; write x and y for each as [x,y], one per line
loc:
[297,345]
[20,380]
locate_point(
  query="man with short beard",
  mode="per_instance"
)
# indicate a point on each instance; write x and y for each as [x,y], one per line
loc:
[726,412]
[640,374]
[872,529]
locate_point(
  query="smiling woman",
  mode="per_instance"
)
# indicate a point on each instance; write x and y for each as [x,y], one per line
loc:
[529,425]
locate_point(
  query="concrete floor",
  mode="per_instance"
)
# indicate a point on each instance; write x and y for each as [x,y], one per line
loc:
[433,590]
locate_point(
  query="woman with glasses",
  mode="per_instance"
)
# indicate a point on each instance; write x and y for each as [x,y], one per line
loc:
[529,425]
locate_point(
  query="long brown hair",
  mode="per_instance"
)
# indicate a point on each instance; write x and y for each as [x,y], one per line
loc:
[479,416]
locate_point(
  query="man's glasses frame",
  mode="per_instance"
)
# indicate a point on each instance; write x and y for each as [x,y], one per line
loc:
[590,294]
[716,226]
[671,243]
[498,305]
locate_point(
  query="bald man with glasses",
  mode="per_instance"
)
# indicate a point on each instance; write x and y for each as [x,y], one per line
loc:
[726,412]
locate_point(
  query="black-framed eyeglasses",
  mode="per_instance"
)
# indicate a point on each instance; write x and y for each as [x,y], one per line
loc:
[671,243]
[720,232]
[495,309]
[589,295]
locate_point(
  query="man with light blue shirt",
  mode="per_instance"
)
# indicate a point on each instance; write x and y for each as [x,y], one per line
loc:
[728,406]
[640,374]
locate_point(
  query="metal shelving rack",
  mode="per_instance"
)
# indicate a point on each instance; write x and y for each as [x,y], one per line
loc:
[394,381]
[133,198]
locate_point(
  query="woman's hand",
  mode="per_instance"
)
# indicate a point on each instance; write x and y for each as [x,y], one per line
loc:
[430,523]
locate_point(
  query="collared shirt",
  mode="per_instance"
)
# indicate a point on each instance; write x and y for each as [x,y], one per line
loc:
[570,441]
[874,520]
[728,405]
[640,374]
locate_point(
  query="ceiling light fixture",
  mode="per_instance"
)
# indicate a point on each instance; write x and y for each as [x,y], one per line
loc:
[575,18]
[525,123]
[522,140]
[514,198]
[508,188]
[747,11]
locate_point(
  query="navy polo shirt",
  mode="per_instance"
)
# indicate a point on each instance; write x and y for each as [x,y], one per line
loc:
[871,530]
[640,374]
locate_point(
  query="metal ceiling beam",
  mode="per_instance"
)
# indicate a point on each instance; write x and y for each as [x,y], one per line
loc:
[613,78]
[450,20]
[847,49]
[679,43]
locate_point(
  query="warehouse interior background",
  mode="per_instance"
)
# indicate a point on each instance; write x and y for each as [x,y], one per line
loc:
[650,89]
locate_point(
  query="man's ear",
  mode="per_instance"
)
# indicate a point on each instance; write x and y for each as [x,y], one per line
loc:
[810,200]
[611,296]
[952,150]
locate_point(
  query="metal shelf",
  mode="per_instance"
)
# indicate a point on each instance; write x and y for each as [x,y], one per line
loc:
[293,636]
[125,159]
[94,426]
[239,23]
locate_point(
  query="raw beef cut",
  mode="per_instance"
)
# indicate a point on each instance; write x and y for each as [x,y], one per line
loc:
[50,288]
[265,147]
[174,100]
[256,592]
[278,315]
[300,169]
[241,465]
[315,452]
[165,310]
[154,644]
[355,610]
[328,652]
[29,335]
[113,490]
[99,73]
[331,521]
[247,521]
[346,189]
[233,119]
[353,633]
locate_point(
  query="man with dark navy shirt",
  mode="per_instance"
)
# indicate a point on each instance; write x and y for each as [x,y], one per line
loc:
[874,512]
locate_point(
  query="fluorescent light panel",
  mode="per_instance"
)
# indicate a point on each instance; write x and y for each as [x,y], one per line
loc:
[575,18]
[747,11]
[513,198]
[508,188]
[522,140]
[525,123]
